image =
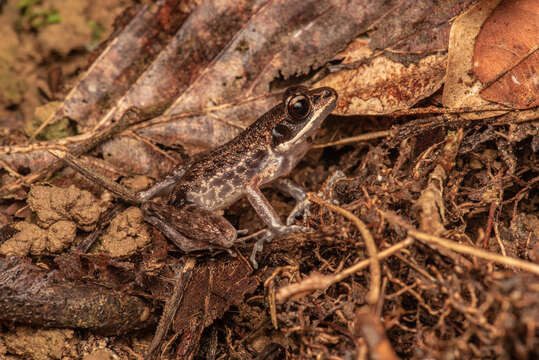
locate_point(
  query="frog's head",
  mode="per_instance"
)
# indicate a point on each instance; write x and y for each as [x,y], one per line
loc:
[304,112]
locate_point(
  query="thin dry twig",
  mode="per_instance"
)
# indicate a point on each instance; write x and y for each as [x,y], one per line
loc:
[376,272]
[130,117]
[489,223]
[353,139]
[320,282]
[206,111]
[372,330]
[428,110]
[182,279]
[468,250]
[11,171]
[459,248]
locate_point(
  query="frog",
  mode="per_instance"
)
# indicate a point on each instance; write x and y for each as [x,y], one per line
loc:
[185,204]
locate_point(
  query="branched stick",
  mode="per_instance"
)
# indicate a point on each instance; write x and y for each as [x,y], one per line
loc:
[130,117]
[374,292]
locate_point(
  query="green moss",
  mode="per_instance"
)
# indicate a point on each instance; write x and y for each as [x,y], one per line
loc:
[32,17]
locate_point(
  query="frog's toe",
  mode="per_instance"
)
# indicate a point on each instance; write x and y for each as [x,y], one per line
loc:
[259,246]
[302,209]
[265,236]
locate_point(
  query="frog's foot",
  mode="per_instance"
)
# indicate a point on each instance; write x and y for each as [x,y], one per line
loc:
[335,177]
[267,235]
[302,209]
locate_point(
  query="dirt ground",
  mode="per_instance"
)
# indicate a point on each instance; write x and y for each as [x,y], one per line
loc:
[44,47]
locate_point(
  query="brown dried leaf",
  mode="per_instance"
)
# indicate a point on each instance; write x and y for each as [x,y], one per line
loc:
[236,83]
[119,64]
[415,29]
[384,86]
[507,36]
[215,286]
[216,69]
[461,88]
[374,82]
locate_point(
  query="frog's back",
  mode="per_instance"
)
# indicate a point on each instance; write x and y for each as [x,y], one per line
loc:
[218,177]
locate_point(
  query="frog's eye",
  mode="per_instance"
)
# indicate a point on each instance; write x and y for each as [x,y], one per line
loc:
[298,107]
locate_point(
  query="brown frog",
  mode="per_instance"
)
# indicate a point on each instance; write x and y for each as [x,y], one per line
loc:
[261,155]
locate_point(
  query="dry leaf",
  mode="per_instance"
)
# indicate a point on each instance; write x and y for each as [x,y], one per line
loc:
[504,58]
[410,67]
[461,89]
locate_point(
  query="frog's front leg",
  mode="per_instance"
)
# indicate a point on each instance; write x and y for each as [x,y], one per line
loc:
[267,213]
[190,228]
[303,204]
[295,191]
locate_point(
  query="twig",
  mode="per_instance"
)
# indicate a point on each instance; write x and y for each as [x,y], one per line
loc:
[376,273]
[206,111]
[353,139]
[11,171]
[381,255]
[130,117]
[416,267]
[465,249]
[183,276]
[373,331]
[500,244]
[320,282]
[437,110]
[489,224]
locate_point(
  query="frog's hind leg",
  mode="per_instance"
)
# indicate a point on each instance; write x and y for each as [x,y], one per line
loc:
[190,228]
[167,229]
